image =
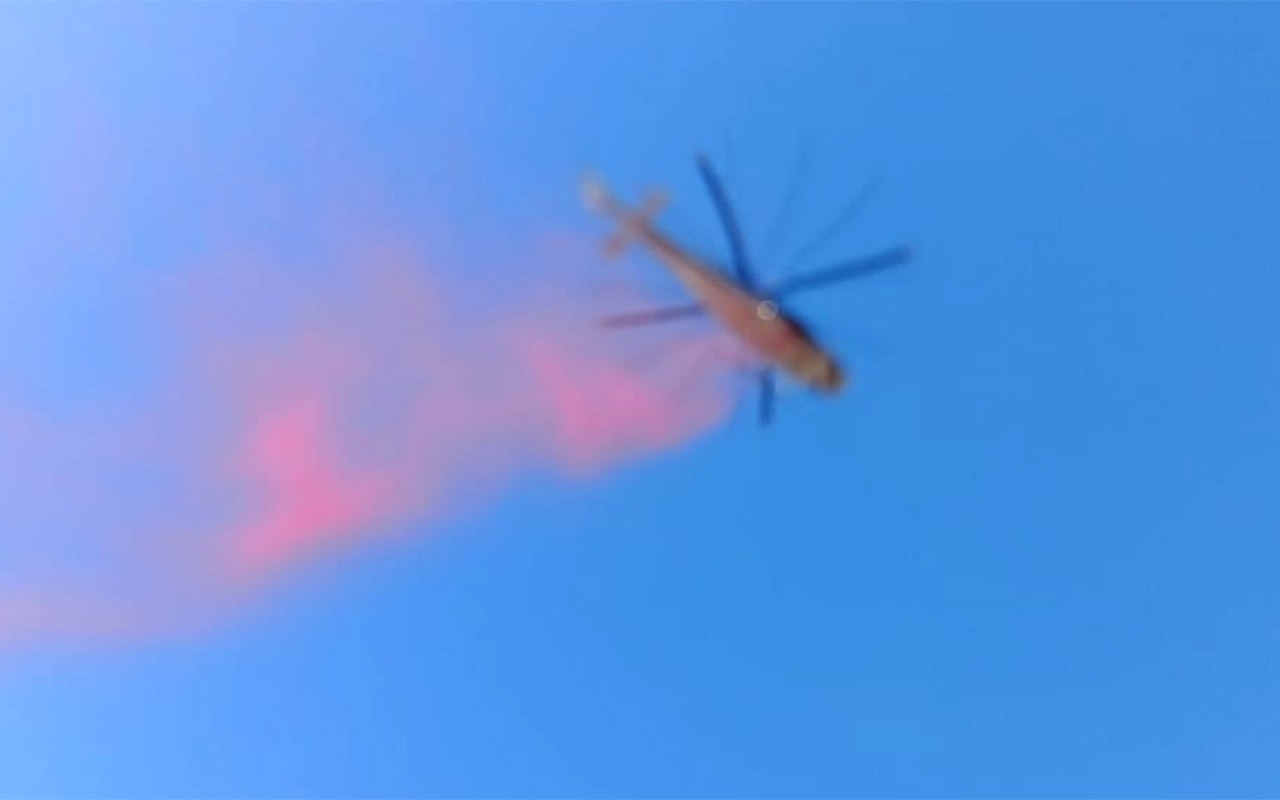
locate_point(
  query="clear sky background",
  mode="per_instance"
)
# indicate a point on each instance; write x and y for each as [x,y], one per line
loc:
[1033,552]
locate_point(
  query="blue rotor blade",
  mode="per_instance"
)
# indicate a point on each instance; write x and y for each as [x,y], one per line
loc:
[768,393]
[652,315]
[847,270]
[724,210]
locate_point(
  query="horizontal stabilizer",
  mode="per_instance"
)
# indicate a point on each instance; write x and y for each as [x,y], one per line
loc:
[631,223]
[616,242]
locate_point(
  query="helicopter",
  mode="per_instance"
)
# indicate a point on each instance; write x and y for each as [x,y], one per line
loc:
[751,312]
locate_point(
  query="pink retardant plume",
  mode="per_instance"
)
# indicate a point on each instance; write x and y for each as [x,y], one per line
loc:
[307,497]
[303,411]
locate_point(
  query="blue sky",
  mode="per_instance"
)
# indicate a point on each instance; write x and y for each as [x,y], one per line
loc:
[1027,555]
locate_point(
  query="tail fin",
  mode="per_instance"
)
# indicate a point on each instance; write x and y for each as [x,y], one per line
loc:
[596,195]
[630,222]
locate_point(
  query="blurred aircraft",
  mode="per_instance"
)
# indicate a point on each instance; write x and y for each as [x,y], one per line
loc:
[751,312]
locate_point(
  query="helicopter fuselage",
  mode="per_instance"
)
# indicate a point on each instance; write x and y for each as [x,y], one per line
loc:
[757,321]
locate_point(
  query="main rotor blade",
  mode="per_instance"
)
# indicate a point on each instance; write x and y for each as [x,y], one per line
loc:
[799,175]
[855,268]
[728,220]
[828,233]
[768,394]
[652,315]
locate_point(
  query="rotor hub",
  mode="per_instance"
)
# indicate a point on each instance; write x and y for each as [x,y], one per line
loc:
[767,310]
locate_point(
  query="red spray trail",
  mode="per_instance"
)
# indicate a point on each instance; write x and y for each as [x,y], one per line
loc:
[303,411]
